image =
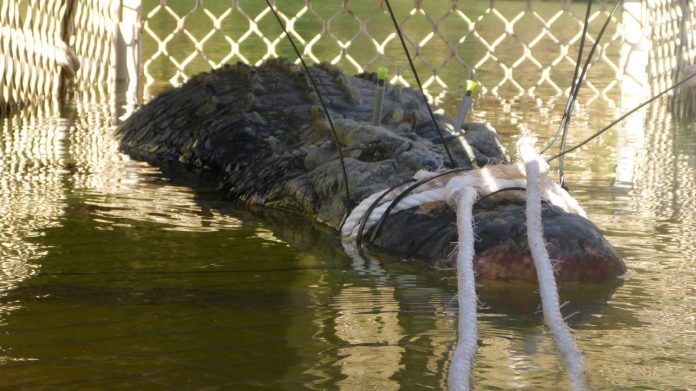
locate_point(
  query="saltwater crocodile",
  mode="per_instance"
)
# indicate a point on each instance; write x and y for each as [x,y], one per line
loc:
[260,134]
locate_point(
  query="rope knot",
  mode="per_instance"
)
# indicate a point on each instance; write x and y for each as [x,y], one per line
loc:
[456,186]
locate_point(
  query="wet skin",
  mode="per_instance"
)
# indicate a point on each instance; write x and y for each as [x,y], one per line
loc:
[260,135]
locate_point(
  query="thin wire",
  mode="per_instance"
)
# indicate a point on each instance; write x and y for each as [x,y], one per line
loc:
[616,121]
[403,194]
[586,67]
[561,166]
[575,78]
[192,272]
[420,86]
[372,207]
[321,100]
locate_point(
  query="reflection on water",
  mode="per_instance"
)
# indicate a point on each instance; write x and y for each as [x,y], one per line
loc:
[665,183]
[114,276]
[646,206]
[32,194]
[111,182]
[367,322]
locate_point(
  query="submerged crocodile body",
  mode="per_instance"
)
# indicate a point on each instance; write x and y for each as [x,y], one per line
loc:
[261,135]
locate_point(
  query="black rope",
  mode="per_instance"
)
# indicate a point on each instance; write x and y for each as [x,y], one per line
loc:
[561,167]
[321,100]
[561,126]
[363,220]
[420,86]
[403,194]
[616,121]
[586,66]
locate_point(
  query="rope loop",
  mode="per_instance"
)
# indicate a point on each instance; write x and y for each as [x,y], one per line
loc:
[461,189]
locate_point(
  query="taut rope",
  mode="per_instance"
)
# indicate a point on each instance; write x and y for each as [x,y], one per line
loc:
[463,195]
[536,167]
[461,190]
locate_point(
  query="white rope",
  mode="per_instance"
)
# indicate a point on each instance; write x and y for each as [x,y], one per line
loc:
[460,190]
[463,357]
[353,220]
[359,211]
[411,201]
[486,180]
[535,167]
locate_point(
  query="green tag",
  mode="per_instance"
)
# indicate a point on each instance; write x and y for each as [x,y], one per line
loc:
[471,85]
[382,73]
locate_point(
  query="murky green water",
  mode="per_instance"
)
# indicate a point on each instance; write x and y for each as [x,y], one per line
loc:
[114,276]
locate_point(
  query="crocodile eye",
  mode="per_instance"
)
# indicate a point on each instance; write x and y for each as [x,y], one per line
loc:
[373,153]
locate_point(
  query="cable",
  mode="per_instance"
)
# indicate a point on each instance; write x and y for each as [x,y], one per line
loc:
[576,80]
[321,100]
[575,77]
[586,67]
[378,225]
[616,121]
[372,207]
[561,167]
[420,86]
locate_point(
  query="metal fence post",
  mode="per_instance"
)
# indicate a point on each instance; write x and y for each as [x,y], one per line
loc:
[635,88]
[634,53]
[66,72]
[129,52]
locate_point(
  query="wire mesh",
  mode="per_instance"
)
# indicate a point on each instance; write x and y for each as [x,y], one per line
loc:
[512,47]
[673,40]
[48,43]
[92,39]
[31,49]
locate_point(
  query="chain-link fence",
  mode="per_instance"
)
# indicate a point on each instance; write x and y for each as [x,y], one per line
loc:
[514,48]
[673,40]
[93,38]
[48,45]
[34,49]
